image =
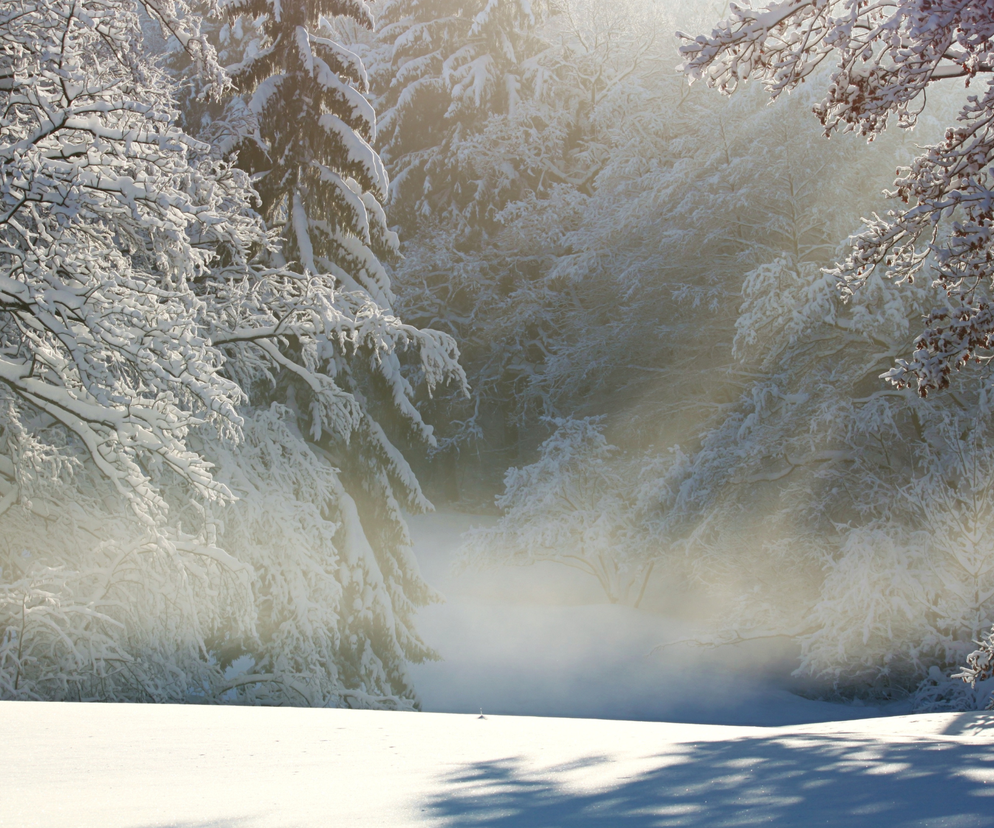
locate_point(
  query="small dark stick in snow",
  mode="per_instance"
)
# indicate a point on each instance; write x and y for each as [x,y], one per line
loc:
[481,716]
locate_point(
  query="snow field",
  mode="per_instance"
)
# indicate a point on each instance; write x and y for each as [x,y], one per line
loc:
[145,766]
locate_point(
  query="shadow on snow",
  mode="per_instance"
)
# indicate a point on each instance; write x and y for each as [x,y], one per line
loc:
[793,780]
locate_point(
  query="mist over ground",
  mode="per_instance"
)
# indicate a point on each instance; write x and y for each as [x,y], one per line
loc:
[669,388]
[544,641]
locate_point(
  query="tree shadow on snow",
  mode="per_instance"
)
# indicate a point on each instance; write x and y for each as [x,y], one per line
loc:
[974,724]
[237,822]
[803,780]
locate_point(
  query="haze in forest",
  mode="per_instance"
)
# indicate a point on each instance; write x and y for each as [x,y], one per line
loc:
[288,276]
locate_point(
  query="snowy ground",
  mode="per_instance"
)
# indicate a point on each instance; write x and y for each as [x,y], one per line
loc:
[515,642]
[132,766]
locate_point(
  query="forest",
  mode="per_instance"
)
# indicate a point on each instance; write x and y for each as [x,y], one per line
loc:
[277,274]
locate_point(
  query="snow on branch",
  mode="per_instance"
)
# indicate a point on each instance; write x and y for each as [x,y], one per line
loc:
[884,57]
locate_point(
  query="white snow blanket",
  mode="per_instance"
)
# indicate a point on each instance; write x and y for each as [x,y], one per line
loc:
[135,766]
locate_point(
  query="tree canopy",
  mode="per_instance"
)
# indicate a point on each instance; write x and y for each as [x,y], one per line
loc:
[885,58]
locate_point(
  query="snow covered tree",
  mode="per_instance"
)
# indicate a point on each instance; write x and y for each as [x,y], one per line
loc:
[149,326]
[492,263]
[790,498]
[333,350]
[912,586]
[110,219]
[863,506]
[902,586]
[572,506]
[310,154]
[886,58]
[453,67]
[626,291]
[103,222]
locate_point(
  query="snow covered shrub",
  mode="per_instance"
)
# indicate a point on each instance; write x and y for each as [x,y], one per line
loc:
[871,619]
[897,575]
[970,688]
[574,506]
[94,607]
[95,603]
[979,671]
[913,587]
[980,663]
[852,517]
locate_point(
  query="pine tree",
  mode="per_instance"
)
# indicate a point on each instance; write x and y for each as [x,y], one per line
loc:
[311,156]
[342,363]
[452,65]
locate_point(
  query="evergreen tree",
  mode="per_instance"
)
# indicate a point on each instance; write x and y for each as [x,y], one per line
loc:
[310,156]
[344,365]
[448,67]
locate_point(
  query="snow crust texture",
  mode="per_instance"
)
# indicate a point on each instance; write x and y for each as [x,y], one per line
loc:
[145,766]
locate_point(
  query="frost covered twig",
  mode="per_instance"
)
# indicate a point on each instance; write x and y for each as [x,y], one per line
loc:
[885,57]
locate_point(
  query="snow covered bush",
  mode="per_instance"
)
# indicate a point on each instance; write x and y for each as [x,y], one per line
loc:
[979,671]
[852,517]
[95,605]
[576,506]
[969,688]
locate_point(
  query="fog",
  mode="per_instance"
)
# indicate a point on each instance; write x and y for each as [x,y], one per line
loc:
[670,391]
[543,641]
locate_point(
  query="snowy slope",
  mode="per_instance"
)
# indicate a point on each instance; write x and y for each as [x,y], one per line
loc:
[542,641]
[133,766]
